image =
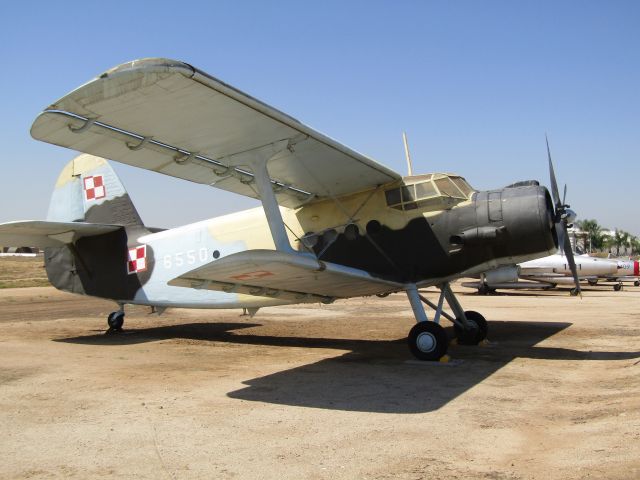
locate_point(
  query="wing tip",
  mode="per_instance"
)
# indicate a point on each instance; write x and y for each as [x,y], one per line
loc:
[149,64]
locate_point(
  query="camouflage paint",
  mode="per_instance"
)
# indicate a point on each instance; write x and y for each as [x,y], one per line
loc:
[97,266]
[421,245]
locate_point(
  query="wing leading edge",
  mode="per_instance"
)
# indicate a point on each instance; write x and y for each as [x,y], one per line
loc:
[169,117]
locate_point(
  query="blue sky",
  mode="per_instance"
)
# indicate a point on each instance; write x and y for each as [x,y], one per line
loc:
[475,84]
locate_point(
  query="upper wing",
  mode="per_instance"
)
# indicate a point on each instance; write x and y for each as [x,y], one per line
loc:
[270,273]
[171,118]
[36,233]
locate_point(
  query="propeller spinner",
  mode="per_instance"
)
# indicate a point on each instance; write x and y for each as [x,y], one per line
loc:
[564,216]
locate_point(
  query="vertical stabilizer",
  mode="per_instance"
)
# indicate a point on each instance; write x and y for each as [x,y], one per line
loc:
[88,190]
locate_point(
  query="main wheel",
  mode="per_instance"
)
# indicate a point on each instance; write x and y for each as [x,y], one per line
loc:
[636,283]
[115,320]
[617,287]
[592,282]
[475,335]
[428,341]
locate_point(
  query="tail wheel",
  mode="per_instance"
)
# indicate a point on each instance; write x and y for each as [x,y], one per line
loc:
[428,341]
[115,320]
[475,335]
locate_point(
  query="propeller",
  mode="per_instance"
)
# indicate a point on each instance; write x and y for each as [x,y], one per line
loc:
[562,219]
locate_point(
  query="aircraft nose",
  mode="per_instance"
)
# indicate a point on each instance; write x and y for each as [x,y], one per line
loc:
[571,216]
[527,217]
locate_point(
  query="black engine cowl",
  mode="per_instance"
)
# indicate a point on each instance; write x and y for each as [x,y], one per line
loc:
[515,222]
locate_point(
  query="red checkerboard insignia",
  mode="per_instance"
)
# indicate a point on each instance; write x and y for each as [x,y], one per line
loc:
[94,187]
[137,261]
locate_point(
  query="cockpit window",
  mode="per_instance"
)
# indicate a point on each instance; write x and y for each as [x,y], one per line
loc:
[447,188]
[425,189]
[408,193]
[462,184]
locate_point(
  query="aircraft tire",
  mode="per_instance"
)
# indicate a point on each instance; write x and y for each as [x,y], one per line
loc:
[636,283]
[617,287]
[428,341]
[593,283]
[115,320]
[475,336]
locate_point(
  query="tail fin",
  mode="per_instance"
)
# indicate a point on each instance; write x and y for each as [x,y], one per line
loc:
[88,190]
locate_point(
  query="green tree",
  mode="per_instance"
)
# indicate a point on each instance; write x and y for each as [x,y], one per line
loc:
[634,242]
[619,239]
[595,238]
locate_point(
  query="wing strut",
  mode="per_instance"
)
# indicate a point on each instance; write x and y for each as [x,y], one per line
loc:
[257,160]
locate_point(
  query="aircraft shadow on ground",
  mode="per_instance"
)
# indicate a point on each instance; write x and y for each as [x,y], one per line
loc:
[374,375]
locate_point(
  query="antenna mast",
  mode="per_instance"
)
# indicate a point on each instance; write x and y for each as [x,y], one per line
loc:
[406,153]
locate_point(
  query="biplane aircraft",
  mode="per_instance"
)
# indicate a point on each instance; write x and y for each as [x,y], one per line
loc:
[333,224]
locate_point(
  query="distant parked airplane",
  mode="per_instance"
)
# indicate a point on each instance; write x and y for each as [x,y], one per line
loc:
[544,273]
[627,271]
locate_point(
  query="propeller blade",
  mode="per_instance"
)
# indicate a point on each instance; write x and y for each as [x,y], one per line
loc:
[561,219]
[552,176]
[570,260]
[561,236]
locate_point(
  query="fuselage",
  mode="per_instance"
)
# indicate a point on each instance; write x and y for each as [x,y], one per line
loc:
[423,230]
[628,270]
[558,264]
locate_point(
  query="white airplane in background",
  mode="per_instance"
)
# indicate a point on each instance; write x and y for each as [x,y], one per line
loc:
[546,272]
[626,271]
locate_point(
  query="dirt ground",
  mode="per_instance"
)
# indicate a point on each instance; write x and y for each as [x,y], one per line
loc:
[319,392]
[16,272]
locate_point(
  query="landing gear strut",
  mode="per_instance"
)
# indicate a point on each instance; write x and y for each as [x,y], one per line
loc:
[427,339]
[115,320]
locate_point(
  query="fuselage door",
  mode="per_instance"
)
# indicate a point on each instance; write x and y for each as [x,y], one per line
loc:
[495,206]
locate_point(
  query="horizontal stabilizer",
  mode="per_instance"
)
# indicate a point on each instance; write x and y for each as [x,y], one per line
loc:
[42,234]
[284,275]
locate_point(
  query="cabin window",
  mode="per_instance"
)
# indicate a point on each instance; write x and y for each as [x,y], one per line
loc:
[393,197]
